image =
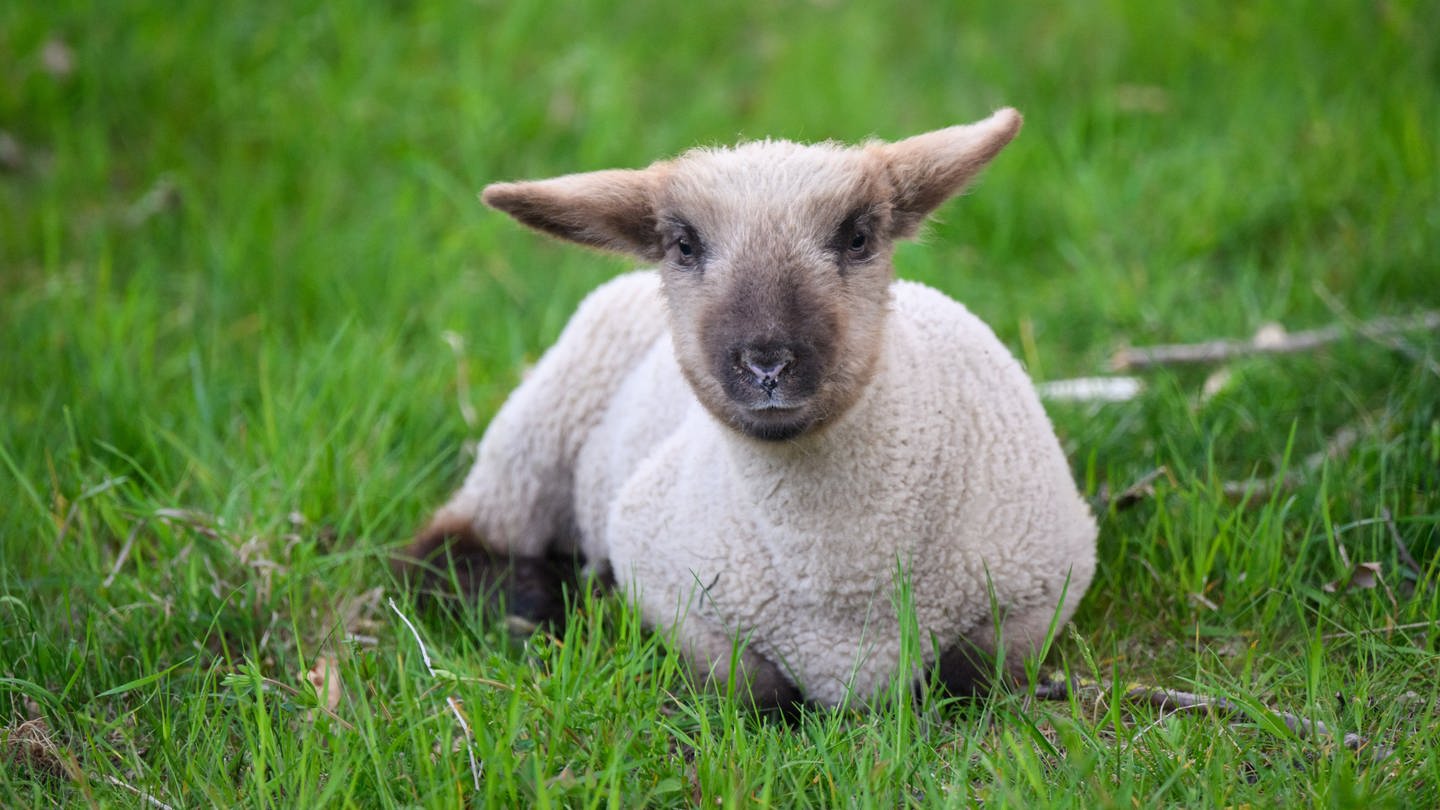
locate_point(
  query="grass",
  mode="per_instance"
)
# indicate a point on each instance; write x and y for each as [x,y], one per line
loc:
[234,241]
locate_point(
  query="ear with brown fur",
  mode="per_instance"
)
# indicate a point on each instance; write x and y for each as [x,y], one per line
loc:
[928,169]
[611,210]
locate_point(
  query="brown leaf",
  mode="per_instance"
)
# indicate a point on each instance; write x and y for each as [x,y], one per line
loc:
[1363,576]
[324,678]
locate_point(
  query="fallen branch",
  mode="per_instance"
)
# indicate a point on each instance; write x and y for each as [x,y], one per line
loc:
[1372,631]
[1143,489]
[1400,547]
[1389,340]
[1169,701]
[450,700]
[1268,341]
[144,795]
[1252,490]
[1339,445]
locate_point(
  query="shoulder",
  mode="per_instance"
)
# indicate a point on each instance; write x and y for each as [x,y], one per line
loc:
[937,319]
[640,288]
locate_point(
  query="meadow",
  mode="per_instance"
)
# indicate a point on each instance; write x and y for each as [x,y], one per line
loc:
[253,317]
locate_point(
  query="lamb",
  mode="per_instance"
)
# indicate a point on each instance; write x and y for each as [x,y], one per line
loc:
[754,436]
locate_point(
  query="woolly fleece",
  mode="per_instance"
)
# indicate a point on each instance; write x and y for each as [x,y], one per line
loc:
[946,467]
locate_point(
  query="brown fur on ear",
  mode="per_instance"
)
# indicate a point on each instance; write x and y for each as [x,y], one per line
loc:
[928,169]
[611,210]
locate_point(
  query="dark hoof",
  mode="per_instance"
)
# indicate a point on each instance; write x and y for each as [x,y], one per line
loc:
[775,698]
[966,671]
[449,563]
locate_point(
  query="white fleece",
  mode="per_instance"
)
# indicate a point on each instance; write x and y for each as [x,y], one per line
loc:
[947,466]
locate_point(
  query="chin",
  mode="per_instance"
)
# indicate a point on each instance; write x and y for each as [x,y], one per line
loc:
[772,424]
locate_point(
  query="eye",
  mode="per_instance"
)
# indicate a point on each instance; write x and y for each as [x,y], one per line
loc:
[686,247]
[852,243]
[857,245]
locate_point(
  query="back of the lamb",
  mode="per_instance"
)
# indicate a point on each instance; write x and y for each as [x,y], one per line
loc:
[763,436]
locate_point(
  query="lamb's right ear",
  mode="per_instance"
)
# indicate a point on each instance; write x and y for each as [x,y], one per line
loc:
[612,209]
[928,169]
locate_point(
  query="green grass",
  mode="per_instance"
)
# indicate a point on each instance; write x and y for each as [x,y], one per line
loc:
[233,240]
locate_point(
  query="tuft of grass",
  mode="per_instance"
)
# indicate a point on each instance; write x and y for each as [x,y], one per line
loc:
[245,284]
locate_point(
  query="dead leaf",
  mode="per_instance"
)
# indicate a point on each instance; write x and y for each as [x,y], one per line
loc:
[324,678]
[1363,576]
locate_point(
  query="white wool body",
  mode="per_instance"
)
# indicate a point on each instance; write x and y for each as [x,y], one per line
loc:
[946,468]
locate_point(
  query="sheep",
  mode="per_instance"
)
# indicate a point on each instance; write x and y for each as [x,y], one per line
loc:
[753,437]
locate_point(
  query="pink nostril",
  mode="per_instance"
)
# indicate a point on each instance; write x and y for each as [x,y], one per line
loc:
[766,365]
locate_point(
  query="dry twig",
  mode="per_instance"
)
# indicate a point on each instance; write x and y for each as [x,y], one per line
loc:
[1269,342]
[1169,701]
[1142,489]
[1258,489]
[145,795]
[1371,631]
[1400,547]
[1390,340]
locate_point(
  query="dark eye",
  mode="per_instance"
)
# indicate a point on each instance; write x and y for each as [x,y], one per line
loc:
[687,248]
[851,243]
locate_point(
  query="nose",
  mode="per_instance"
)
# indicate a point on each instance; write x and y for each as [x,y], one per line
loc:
[766,363]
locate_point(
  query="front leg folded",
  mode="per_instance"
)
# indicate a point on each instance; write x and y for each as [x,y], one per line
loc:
[509,534]
[449,559]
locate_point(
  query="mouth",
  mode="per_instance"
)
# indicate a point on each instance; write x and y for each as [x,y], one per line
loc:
[773,406]
[772,421]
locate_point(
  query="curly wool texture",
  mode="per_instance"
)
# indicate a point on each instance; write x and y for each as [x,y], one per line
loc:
[763,435]
[946,466]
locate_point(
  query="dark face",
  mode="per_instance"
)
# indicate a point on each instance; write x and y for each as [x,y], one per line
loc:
[769,345]
[777,281]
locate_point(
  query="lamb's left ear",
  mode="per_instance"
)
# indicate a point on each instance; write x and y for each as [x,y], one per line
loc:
[928,169]
[612,209]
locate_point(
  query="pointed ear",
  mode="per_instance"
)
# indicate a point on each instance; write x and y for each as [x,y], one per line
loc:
[928,169]
[611,210]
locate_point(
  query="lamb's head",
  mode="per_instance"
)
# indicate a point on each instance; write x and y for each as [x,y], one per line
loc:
[774,256]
